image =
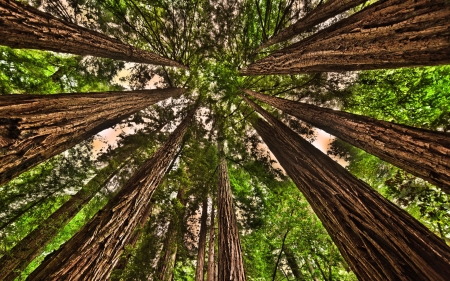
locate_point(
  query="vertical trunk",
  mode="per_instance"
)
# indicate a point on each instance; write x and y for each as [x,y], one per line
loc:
[293,265]
[211,266]
[27,27]
[167,260]
[379,240]
[34,243]
[387,34]
[34,128]
[231,265]
[199,275]
[421,152]
[93,252]
[320,14]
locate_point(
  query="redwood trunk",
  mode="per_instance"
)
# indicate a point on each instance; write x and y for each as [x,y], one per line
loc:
[34,128]
[378,240]
[293,265]
[387,34]
[231,265]
[320,14]
[27,27]
[421,152]
[93,252]
[211,265]
[199,275]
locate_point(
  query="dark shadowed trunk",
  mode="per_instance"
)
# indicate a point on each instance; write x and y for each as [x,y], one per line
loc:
[387,34]
[34,128]
[379,240]
[320,14]
[167,259]
[211,266]
[231,265]
[199,274]
[421,152]
[27,27]
[293,265]
[93,252]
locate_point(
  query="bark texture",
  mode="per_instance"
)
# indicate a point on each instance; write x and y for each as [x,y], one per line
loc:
[211,265]
[387,34]
[199,274]
[421,152]
[378,240]
[34,243]
[27,27]
[34,128]
[231,265]
[320,14]
[94,251]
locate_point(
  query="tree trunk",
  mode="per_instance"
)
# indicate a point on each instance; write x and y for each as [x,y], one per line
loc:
[421,152]
[320,14]
[93,252]
[231,265]
[379,240]
[199,275]
[293,265]
[387,34]
[166,262]
[34,128]
[211,266]
[29,28]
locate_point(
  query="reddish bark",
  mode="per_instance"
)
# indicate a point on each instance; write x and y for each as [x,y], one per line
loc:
[199,274]
[378,240]
[320,14]
[27,27]
[387,34]
[421,152]
[211,266]
[94,251]
[34,128]
[231,265]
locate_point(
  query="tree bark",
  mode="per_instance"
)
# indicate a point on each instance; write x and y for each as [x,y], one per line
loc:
[231,264]
[421,152]
[387,34]
[379,240]
[166,262]
[93,252]
[211,265]
[320,14]
[199,274]
[293,265]
[29,28]
[34,128]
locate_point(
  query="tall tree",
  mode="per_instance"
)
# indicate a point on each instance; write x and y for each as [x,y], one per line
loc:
[199,274]
[34,128]
[361,222]
[231,265]
[211,266]
[320,14]
[406,147]
[387,34]
[84,258]
[26,27]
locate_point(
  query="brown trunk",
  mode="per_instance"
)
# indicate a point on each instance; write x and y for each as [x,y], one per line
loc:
[379,240]
[93,252]
[421,152]
[320,14]
[166,262]
[199,274]
[387,34]
[211,266]
[34,128]
[231,265]
[293,265]
[34,243]
[29,28]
